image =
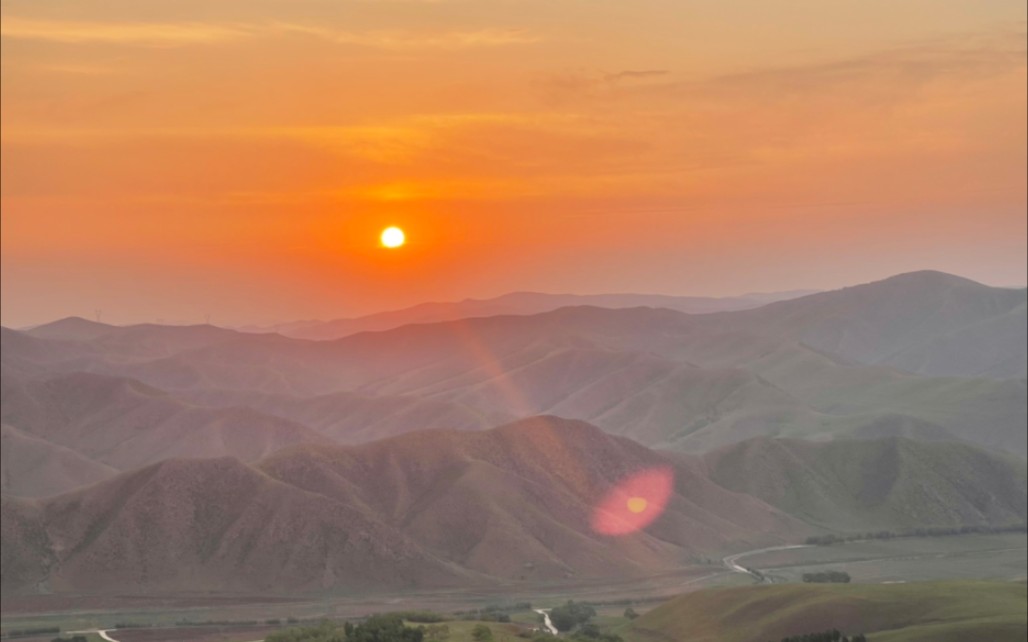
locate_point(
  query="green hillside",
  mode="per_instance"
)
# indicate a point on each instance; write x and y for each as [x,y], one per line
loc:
[862,485]
[921,612]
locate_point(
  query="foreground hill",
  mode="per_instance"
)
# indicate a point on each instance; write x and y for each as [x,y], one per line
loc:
[211,524]
[424,509]
[915,612]
[518,501]
[439,508]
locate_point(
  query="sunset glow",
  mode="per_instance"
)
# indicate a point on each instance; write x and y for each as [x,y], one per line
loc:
[711,144]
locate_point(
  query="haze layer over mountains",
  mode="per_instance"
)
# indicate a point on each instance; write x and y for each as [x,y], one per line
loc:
[172,458]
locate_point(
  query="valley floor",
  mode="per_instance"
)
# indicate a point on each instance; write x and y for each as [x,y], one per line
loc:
[998,557]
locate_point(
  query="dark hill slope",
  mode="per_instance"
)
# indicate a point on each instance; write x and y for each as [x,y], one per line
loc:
[421,510]
[521,497]
[436,508]
[213,524]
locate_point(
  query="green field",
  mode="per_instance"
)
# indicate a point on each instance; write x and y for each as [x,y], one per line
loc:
[981,557]
[914,612]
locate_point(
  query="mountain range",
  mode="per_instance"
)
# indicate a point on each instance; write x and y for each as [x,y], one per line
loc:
[165,458]
[821,366]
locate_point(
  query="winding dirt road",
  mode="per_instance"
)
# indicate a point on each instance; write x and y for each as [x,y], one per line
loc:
[546,621]
[731,562]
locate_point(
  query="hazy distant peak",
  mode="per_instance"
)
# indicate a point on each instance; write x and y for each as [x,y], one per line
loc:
[75,328]
[930,278]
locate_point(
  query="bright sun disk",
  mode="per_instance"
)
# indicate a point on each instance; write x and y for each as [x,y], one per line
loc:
[393,237]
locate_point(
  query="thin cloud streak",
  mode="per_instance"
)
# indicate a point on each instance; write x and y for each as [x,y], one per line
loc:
[177,34]
[153,34]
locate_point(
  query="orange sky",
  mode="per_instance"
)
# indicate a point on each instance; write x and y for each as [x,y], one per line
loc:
[167,160]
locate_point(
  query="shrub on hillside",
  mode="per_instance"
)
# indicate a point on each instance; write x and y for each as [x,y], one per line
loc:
[827,577]
[482,633]
[377,628]
[570,615]
[828,636]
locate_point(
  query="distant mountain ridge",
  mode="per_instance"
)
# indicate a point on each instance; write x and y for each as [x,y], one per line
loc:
[898,322]
[821,366]
[517,303]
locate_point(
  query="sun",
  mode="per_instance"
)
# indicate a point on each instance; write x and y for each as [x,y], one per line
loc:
[393,237]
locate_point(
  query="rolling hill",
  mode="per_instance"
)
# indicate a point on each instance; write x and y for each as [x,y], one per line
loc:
[875,484]
[915,612]
[33,467]
[349,417]
[124,424]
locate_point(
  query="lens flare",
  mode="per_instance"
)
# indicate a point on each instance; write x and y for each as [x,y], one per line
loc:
[634,502]
[637,504]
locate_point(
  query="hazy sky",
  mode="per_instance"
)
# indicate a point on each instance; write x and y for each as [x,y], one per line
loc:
[164,160]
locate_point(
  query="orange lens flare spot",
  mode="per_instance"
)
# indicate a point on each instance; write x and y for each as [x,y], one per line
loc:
[634,502]
[393,237]
[637,504]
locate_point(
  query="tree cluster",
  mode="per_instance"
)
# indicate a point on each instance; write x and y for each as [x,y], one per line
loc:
[929,531]
[570,615]
[589,632]
[377,628]
[493,612]
[827,577]
[828,636]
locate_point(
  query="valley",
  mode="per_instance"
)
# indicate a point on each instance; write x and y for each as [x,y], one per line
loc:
[999,558]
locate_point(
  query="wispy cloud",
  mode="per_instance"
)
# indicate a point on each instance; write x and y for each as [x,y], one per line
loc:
[116,33]
[174,34]
[967,55]
[400,39]
[636,74]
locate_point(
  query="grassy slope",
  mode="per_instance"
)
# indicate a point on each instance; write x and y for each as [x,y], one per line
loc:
[929,611]
[885,483]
